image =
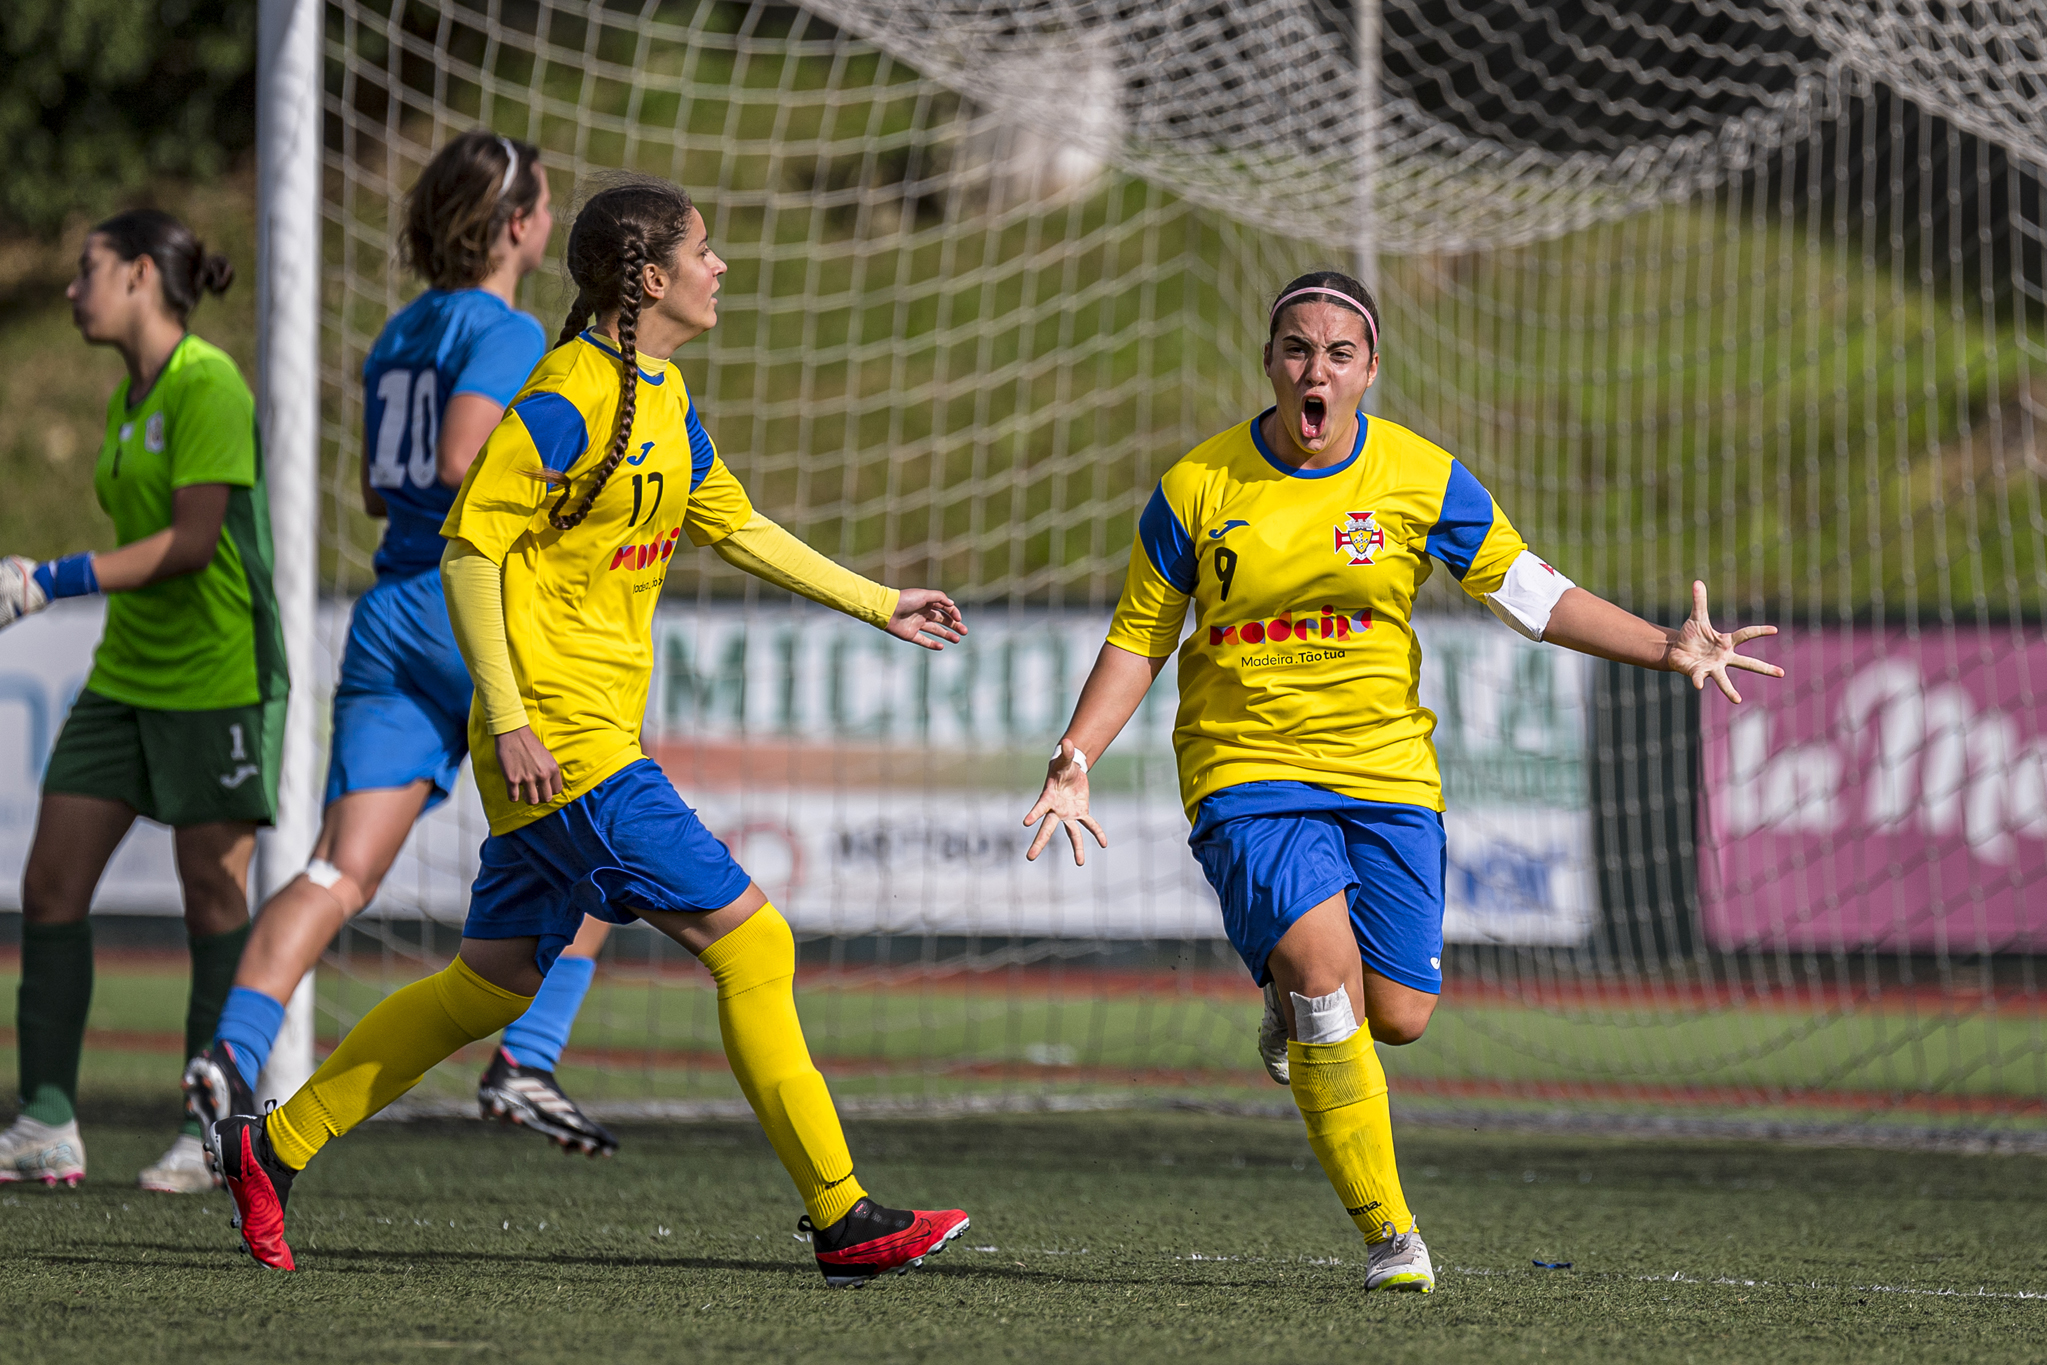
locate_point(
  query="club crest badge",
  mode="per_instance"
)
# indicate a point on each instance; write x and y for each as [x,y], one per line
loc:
[152,434]
[1359,538]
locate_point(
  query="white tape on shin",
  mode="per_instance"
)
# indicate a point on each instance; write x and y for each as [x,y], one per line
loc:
[335,883]
[1325,1019]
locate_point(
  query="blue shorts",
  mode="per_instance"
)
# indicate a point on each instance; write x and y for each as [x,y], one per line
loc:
[401,711]
[1275,850]
[630,843]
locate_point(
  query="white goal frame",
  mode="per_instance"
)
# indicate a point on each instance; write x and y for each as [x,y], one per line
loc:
[288,124]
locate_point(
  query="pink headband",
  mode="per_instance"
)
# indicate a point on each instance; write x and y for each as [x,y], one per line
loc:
[1371,327]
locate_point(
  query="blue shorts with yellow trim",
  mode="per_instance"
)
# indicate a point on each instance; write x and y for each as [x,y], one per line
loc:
[630,843]
[1275,850]
[401,711]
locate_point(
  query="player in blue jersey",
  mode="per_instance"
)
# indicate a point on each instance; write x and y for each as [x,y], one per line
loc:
[435,384]
[1300,538]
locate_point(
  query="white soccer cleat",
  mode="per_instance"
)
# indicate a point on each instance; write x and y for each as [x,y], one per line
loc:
[181,1170]
[1272,1037]
[1400,1262]
[33,1150]
[20,594]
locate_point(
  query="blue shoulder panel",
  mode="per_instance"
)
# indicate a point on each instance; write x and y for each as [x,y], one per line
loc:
[1167,543]
[701,451]
[1464,523]
[500,357]
[559,432]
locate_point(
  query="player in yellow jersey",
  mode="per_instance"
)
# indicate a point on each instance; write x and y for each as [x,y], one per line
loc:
[1300,538]
[559,541]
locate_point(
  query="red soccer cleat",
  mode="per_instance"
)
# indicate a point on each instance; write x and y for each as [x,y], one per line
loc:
[260,1184]
[871,1240]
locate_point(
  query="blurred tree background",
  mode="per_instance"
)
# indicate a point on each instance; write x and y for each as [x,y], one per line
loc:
[106,104]
[100,97]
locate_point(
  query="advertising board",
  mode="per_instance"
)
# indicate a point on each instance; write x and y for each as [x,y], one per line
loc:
[875,788]
[1890,793]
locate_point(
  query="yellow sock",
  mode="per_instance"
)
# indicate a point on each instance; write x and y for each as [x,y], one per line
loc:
[408,1034]
[755,968]
[1340,1089]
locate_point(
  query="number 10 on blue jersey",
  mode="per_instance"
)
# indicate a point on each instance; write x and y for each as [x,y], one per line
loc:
[406,396]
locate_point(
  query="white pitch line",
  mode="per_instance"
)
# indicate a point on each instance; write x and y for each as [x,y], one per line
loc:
[1679,1277]
[1675,1277]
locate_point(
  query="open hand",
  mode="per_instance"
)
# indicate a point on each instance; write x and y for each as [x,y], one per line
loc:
[926,612]
[532,777]
[1064,799]
[1701,652]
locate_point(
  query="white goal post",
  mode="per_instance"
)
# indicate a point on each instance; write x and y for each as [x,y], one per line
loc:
[288,134]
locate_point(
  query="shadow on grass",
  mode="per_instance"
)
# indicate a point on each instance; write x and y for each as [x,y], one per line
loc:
[361,1260]
[398,1262]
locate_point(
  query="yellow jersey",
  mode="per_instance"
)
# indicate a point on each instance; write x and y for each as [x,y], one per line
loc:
[579,604]
[1303,664]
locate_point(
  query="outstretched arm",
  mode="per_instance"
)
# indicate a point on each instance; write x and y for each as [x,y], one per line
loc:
[1592,625]
[1108,700]
[923,616]
[186,546]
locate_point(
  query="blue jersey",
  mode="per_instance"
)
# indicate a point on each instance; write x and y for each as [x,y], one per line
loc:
[445,342]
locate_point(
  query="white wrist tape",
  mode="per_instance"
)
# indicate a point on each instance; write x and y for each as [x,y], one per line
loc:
[1528,595]
[1079,758]
[1325,1019]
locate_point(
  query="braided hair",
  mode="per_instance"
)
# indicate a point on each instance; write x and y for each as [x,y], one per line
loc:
[617,233]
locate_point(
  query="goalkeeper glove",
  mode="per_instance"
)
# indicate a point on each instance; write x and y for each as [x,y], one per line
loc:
[27,587]
[20,594]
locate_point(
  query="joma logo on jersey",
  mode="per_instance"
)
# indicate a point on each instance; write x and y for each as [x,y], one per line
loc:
[640,556]
[1328,624]
[1358,536]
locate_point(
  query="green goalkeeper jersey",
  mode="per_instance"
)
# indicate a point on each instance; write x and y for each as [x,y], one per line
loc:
[206,640]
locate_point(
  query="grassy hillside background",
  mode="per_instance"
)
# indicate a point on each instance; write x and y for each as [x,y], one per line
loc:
[1852,447]
[940,377]
[54,388]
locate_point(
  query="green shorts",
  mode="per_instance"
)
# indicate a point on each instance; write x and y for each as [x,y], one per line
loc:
[178,768]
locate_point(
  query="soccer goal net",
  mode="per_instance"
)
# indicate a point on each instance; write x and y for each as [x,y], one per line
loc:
[1746,293]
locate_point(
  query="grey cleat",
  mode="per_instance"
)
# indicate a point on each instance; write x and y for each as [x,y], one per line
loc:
[1400,1262]
[184,1169]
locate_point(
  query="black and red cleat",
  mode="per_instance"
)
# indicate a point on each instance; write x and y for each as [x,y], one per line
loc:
[260,1184]
[870,1241]
[529,1097]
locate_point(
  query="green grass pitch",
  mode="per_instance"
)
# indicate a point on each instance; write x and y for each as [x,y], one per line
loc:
[1122,1237]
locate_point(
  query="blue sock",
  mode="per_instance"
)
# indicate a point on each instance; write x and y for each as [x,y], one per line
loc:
[537,1037]
[249,1021]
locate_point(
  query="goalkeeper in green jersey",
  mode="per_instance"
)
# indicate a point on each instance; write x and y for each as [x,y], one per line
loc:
[182,717]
